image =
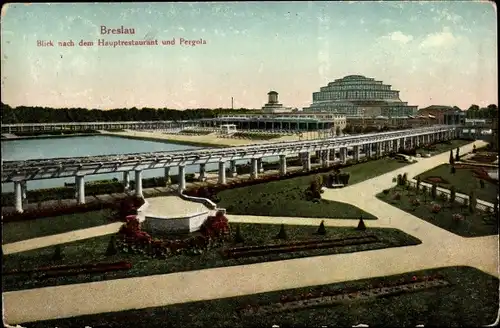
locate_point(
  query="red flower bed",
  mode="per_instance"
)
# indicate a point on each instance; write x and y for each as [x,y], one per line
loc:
[215,226]
[75,268]
[296,246]
[436,180]
[128,206]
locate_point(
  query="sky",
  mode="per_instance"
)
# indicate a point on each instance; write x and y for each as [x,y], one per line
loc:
[435,53]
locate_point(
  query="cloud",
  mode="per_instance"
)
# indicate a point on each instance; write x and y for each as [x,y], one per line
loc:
[398,36]
[440,39]
[445,15]
[386,21]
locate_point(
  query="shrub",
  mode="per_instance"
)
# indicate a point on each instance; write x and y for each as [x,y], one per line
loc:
[58,256]
[386,191]
[435,208]
[282,233]
[321,229]
[399,180]
[434,190]
[452,160]
[457,156]
[361,225]
[404,179]
[443,197]
[458,217]
[472,202]
[215,226]
[453,194]
[453,170]
[481,184]
[415,202]
[237,237]
[397,196]
[418,183]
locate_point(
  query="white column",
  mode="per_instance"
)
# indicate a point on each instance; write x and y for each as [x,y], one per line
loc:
[331,155]
[378,149]
[282,164]
[138,183]
[126,180]
[232,166]
[325,157]
[203,170]
[24,190]
[260,165]
[343,155]
[80,187]
[369,150]
[18,193]
[167,175]
[306,161]
[356,153]
[255,170]
[182,178]
[222,172]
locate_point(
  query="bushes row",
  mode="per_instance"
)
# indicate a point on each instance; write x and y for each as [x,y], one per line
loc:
[92,188]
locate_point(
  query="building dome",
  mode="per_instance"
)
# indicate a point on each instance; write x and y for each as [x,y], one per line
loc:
[357,95]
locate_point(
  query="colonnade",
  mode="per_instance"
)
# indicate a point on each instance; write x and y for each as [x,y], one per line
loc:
[326,157]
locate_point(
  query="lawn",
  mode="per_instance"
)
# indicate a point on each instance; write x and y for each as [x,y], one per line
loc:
[463,180]
[287,197]
[92,250]
[471,299]
[16,231]
[442,147]
[473,225]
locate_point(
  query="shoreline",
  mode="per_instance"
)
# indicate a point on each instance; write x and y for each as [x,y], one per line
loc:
[52,136]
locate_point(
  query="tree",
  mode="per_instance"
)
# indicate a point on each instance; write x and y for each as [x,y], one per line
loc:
[337,131]
[472,202]
[424,192]
[405,179]
[474,148]
[481,184]
[452,160]
[321,229]
[453,194]
[58,256]
[457,155]
[361,225]
[237,236]
[453,170]
[434,190]
[418,183]
[111,250]
[282,234]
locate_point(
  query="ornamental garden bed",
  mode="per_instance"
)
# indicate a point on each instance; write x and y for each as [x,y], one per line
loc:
[465,179]
[328,299]
[452,216]
[469,299]
[486,158]
[441,147]
[249,251]
[162,261]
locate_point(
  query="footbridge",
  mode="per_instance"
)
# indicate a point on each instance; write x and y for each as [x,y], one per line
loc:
[366,145]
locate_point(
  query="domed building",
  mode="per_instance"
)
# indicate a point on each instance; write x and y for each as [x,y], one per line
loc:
[357,95]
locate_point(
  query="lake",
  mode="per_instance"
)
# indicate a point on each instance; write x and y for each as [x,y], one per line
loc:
[88,146]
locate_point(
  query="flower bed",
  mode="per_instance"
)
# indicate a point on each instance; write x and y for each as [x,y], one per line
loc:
[486,158]
[320,299]
[65,270]
[438,180]
[249,251]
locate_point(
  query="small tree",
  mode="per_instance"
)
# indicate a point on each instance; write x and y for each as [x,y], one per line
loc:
[337,131]
[453,170]
[481,184]
[472,202]
[452,160]
[453,194]
[434,190]
[238,238]
[419,181]
[405,179]
[473,148]
[111,250]
[282,234]
[424,192]
[457,156]
[58,256]
[399,180]
[321,229]
[361,225]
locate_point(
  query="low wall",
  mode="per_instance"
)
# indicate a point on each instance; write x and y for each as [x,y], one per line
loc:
[207,202]
[141,216]
[481,204]
[187,223]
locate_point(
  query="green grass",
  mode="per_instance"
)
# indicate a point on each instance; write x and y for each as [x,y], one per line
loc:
[442,147]
[92,250]
[470,300]
[474,225]
[16,231]
[464,182]
[287,197]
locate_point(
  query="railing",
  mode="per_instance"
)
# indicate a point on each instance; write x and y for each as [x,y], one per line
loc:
[460,198]
[205,201]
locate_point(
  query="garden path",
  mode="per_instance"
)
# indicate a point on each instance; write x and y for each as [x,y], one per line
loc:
[440,248]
